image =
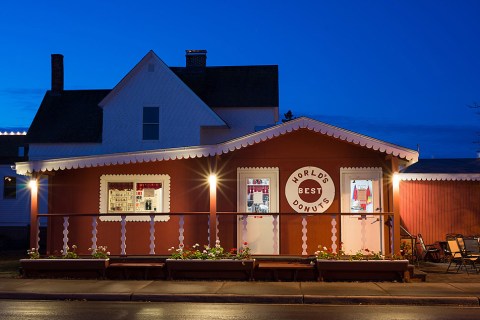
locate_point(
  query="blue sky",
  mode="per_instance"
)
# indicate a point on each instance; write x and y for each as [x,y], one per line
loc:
[403,71]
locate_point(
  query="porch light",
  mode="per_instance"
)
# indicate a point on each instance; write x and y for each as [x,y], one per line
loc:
[32,184]
[396,179]
[213,237]
[212,180]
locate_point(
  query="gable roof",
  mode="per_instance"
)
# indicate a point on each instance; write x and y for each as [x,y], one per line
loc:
[219,149]
[70,117]
[75,116]
[235,86]
[443,169]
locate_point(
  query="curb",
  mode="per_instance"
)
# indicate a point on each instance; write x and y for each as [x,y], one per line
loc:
[224,298]
[467,301]
[66,296]
[393,300]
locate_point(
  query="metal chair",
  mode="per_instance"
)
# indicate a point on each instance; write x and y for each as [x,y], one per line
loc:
[460,257]
[428,251]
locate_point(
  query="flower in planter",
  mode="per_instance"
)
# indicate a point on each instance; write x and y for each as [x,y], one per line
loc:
[70,254]
[326,253]
[209,253]
[33,253]
[367,254]
[100,252]
[240,254]
[363,254]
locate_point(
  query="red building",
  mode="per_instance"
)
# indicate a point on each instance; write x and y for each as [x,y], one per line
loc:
[133,174]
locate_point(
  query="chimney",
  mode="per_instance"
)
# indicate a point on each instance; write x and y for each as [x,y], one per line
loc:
[196,59]
[57,73]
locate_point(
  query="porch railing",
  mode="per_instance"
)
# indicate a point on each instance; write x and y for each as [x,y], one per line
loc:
[387,217]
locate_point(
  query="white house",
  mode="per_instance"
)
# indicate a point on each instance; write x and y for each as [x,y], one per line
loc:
[154,107]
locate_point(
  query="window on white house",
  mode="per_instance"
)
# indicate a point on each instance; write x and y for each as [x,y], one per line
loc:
[9,187]
[151,123]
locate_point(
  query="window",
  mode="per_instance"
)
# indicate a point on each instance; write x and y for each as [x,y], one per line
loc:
[21,151]
[9,187]
[151,125]
[148,194]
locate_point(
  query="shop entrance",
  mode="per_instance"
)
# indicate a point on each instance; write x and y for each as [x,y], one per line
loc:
[258,193]
[361,195]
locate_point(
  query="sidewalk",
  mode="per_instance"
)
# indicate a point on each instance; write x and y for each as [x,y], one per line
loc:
[460,289]
[466,294]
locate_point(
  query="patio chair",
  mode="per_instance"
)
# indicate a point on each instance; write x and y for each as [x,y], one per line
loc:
[429,251]
[471,247]
[459,257]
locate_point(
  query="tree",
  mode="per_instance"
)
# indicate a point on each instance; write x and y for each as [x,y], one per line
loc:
[288,116]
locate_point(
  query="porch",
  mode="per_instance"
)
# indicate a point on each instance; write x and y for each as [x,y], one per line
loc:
[149,258]
[149,237]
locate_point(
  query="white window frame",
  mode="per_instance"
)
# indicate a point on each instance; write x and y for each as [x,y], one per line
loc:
[157,123]
[136,178]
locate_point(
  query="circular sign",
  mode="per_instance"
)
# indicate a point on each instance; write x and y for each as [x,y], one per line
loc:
[310,189]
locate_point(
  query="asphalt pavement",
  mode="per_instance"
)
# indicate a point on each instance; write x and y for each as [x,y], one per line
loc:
[441,288]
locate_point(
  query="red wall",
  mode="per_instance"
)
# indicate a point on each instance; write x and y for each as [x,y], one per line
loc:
[77,191]
[436,208]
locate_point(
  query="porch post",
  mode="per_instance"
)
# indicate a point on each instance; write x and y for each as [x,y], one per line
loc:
[213,209]
[396,206]
[33,184]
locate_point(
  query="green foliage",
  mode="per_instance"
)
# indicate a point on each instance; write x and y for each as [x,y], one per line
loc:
[209,253]
[70,253]
[33,253]
[100,252]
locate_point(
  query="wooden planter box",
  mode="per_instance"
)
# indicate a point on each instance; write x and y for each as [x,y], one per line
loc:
[210,269]
[54,268]
[362,270]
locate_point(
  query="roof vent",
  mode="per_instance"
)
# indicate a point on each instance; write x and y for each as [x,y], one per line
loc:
[196,58]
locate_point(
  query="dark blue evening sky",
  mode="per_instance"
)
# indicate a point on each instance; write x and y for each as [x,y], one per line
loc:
[403,71]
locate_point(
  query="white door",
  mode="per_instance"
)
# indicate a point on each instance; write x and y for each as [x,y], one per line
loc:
[361,195]
[258,193]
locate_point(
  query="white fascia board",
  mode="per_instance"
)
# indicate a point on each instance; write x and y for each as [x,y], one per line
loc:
[439,176]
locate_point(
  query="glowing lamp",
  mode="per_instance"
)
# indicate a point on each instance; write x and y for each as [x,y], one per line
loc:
[396,179]
[212,180]
[32,184]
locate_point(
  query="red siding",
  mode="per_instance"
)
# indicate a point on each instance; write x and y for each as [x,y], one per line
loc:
[77,191]
[436,208]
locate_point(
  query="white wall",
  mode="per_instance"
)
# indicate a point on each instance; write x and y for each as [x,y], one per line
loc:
[182,113]
[14,212]
[241,121]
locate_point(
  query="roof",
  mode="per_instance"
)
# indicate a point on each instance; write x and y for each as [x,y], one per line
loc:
[219,149]
[70,117]
[443,169]
[74,116]
[236,86]
[9,145]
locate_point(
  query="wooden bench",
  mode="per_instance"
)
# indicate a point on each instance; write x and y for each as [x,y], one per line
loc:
[145,267]
[274,266]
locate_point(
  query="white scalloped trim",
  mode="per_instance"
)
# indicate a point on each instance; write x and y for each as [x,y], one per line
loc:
[359,169]
[163,178]
[439,176]
[213,150]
